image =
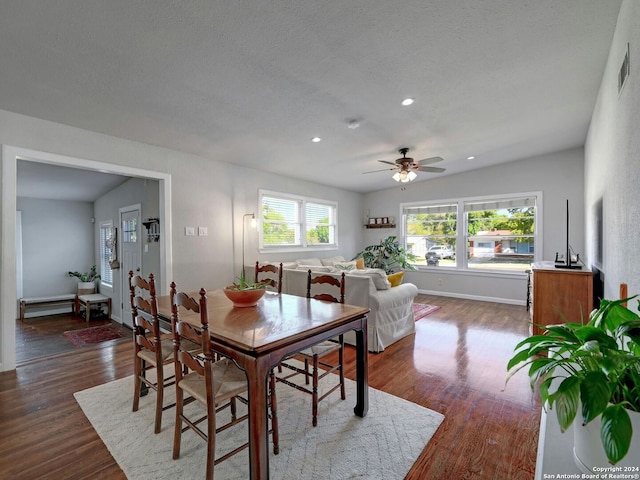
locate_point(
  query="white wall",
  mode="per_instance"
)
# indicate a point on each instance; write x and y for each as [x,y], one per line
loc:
[612,165]
[559,176]
[204,192]
[57,237]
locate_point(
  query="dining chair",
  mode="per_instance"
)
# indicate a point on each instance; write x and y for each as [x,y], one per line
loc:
[216,384]
[269,268]
[316,353]
[152,350]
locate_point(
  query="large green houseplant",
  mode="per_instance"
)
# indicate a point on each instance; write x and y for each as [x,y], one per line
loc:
[595,365]
[388,255]
[90,276]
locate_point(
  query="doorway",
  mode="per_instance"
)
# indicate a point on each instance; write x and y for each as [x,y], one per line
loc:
[8,272]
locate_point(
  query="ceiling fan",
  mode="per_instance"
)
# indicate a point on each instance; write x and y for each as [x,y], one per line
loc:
[406,167]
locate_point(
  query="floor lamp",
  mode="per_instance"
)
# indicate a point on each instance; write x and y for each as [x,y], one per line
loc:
[244,225]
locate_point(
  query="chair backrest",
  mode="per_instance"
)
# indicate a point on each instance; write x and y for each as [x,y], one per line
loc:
[184,333]
[144,312]
[273,283]
[326,280]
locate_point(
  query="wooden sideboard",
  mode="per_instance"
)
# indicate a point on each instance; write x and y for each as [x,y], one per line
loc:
[555,291]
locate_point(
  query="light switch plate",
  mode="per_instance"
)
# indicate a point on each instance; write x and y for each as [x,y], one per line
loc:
[189,231]
[202,231]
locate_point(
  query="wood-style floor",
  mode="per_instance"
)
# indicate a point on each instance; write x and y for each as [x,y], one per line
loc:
[454,364]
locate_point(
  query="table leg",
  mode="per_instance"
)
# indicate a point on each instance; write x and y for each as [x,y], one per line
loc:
[362,375]
[87,311]
[257,372]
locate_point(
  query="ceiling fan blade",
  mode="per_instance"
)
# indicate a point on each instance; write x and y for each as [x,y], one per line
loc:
[431,169]
[383,170]
[428,161]
[389,163]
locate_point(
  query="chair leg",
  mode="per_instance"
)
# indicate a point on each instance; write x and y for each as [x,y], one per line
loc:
[314,390]
[306,371]
[177,431]
[159,399]
[273,404]
[211,440]
[343,394]
[137,383]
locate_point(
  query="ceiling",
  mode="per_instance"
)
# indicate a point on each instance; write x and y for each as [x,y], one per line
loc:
[251,83]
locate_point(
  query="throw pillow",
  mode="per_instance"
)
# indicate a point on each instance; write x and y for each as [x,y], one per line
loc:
[395,279]
[378,276]
[360,263]
[329,262]
[345,266]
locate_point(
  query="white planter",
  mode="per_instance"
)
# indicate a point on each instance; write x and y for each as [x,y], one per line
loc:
[588,451]
[85,288]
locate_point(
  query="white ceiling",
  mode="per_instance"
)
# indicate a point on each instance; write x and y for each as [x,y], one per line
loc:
[251,82]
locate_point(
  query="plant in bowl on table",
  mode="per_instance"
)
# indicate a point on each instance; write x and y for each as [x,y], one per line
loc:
[245,292]
[593,368]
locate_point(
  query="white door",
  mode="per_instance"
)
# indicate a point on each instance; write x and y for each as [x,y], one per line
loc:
[131,254]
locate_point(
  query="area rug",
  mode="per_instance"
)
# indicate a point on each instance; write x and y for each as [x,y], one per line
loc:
[421,310]
[93,335]
[383,445]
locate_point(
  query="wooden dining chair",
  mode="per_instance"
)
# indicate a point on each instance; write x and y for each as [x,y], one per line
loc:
[152,350]
[316,353]
[266,269]
[217,385]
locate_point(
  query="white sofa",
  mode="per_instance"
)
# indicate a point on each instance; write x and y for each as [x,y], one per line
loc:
[391,312]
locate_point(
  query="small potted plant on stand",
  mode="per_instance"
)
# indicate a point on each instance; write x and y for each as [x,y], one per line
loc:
[594,368]
[87,283]
[244,292]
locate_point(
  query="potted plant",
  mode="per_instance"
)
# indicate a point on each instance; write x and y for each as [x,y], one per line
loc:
[387,255]
[87,280]
[594,367]
[244,292]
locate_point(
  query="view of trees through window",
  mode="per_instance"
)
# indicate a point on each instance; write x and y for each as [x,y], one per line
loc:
[497,234]
[283,220]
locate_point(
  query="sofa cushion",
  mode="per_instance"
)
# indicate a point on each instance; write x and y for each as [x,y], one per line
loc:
[378,276]
[395,279]
[315,268]
[309,262]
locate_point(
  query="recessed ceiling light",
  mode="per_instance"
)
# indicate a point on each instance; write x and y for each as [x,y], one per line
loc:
[407,102]
[471,157]
[316,139]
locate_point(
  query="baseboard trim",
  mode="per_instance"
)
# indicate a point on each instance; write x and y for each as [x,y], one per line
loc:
[509,301]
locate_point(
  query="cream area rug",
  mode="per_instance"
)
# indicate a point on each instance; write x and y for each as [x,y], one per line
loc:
[382,446]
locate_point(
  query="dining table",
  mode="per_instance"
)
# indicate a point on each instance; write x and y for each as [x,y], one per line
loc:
[258,338]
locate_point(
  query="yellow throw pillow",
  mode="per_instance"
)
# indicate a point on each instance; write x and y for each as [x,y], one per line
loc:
[395,279]
[359,263]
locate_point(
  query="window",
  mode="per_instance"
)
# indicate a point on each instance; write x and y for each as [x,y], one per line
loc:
[491,233]
[432,232]
[107,240]
[293,222]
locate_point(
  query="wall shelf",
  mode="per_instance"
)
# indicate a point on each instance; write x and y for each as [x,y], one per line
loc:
[381,225]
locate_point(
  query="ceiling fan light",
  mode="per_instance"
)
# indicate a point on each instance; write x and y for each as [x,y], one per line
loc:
[412,176]
[396,176]
[403,176]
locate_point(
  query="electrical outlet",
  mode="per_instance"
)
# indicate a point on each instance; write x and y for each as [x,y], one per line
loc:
[440,282]
[202,231]
[189,231]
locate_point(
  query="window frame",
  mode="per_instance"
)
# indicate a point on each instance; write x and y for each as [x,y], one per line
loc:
[105,269]
[301,224]
[462,264]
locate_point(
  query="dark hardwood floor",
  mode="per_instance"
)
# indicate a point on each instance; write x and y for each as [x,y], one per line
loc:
[454,364]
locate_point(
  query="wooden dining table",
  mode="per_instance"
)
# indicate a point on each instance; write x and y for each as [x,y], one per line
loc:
[258,338]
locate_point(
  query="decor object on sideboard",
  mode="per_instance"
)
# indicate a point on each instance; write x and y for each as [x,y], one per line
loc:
[87,284]
[594,367]
[388,255]
[406,167]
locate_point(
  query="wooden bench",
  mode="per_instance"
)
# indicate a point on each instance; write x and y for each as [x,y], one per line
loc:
[48,301]
[92,299]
